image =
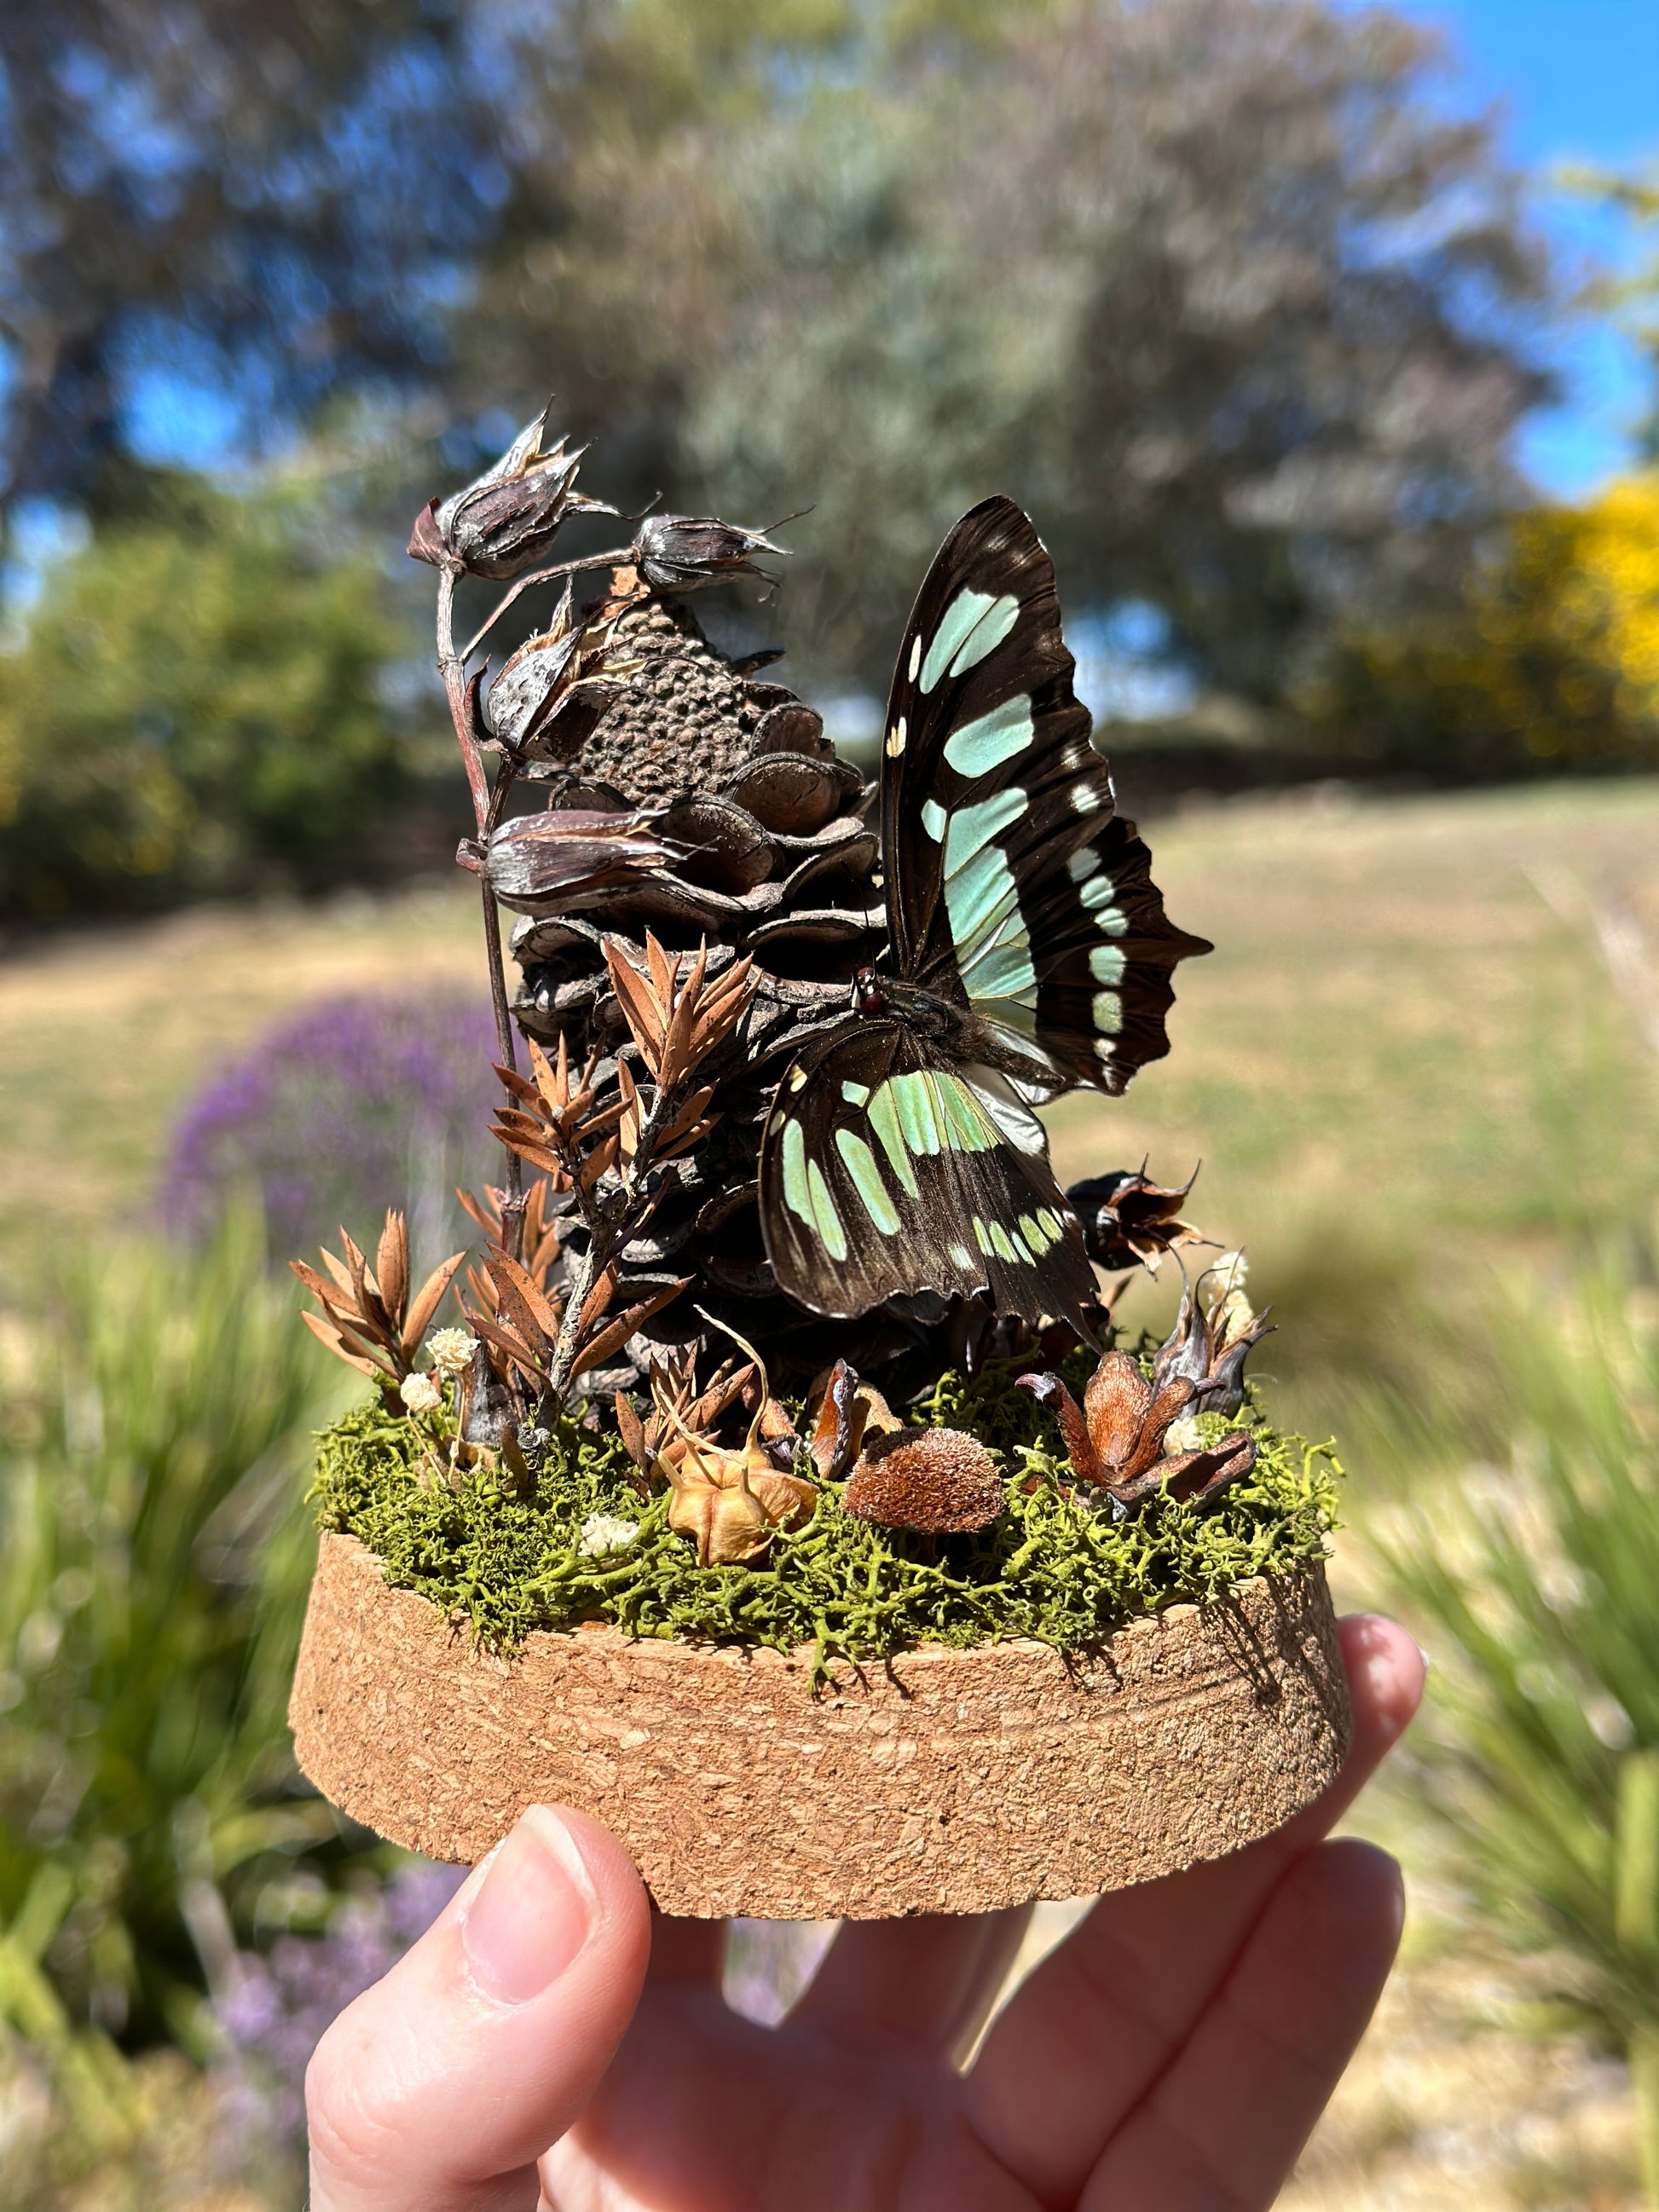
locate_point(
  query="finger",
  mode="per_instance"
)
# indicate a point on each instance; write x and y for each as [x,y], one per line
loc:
[686,1950]
[1225,2122]
[926,1983]
[441,2085]
[1085,2037]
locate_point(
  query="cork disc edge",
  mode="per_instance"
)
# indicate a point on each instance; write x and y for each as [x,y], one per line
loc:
[939,1781]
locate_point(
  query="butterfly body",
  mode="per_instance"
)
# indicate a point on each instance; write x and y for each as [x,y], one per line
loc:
[1028,953]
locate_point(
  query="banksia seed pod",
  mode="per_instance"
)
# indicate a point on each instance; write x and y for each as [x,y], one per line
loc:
[936,1481]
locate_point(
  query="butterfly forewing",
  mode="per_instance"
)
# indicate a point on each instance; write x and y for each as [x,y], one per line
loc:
[884,1171]
[1028,951]
[1014,886]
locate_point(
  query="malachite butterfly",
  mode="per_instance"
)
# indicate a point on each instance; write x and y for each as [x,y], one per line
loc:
[1028,953]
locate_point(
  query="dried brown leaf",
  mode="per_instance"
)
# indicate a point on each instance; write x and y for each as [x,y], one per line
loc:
[547,1315]
[511,1305]
[391,1266]
[427,1299]
[336,1342]
[617,1334]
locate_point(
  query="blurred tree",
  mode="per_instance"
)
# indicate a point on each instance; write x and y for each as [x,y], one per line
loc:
[261,199]
[196,709]
[1550,659]
[1225,289]
[1219,287]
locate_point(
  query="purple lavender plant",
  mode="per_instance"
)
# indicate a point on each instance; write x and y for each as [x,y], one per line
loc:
[357,1104]
[279,2003]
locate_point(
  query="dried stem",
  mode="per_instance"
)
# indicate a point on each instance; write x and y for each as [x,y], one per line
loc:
[610,560]
[486,809]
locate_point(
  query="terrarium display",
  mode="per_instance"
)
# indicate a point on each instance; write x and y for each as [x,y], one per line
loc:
[773,1482]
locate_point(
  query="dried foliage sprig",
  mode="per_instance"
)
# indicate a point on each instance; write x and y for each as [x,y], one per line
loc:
[607,1160]
[367,1317]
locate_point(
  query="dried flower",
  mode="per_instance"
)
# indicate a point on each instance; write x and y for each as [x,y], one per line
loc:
[1128,1221]
[451,1349]
[605,1533]
[732,1502]
[504,520]
[936,1481]
[683,552]
[420,1394]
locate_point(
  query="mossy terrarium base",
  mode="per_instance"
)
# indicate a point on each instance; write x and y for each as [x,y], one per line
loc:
[504,1557]
[1057,1706]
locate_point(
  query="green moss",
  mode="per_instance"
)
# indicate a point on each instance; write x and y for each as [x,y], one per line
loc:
[1050,1568]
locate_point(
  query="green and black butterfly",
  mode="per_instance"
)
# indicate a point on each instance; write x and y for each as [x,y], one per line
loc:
[1028,953]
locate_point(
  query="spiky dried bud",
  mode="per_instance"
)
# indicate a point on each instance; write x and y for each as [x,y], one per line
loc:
[683,552]
[504,520]
[1208,1350]
[935,1480]
[1130,1221]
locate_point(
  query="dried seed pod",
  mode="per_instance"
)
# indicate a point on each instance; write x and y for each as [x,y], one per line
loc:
[537,863]
[847,1411]
[504,520]
[936,1481]
[683,552]
[732,1502]
[1129,1220]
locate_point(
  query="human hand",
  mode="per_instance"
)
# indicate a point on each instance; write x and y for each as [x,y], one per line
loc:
[1170,2056]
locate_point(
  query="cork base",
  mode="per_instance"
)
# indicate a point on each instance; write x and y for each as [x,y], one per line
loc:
[937,1782]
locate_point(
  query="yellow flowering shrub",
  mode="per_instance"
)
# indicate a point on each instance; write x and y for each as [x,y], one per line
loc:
[1552,660]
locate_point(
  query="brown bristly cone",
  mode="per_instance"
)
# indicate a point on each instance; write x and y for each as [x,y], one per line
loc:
[937,1481]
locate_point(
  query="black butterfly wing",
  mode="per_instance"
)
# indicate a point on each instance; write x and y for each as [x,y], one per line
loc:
[884,1171]
[1012,886]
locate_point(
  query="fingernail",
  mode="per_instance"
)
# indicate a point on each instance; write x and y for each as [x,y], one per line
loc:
[532,1915]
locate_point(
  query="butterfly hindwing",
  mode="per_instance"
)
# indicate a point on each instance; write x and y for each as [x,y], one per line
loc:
[885,1171]
[1013,885]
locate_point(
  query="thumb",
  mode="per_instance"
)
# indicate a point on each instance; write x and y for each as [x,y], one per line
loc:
[441,2086]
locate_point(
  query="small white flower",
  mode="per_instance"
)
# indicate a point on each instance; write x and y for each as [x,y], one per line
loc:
[1182,1436]
[421,1394]
[452,1350]
[606,1532]
[1232,1268]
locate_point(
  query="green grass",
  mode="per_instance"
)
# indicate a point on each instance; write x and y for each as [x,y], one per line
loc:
[1049,1567]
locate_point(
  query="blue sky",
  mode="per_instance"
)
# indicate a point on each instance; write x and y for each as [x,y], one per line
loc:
[1578,81]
